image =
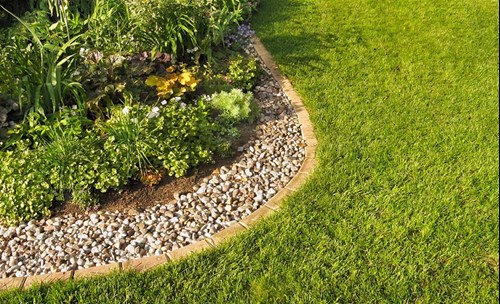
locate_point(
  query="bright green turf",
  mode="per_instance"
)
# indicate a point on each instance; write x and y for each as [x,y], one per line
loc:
[403,207]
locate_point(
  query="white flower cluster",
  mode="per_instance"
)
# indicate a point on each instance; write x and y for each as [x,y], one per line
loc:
[206,97]
[193,50]
[155,112]
[83,52]
[125,110]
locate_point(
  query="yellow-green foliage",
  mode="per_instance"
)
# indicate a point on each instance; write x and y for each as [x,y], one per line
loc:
[175,83]
[235,106]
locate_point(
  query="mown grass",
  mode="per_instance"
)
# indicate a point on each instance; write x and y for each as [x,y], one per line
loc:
[403,205]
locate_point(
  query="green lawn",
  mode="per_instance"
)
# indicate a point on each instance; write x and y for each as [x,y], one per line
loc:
[403,205]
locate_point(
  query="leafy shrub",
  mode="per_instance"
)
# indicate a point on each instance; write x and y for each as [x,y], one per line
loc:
[24,191]
[235,106]
[249,7]
[78,163]
[167,26]
[217,21]
[243,72]
[175,83]
[215,84]
[50,157]
[64,158]
[173,136]
[41,73]
[72,151]
[238,72]
[33,132]
[110,79]
[110,28]
[185,29]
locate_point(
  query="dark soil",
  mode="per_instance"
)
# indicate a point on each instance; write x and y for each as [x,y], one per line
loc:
[137,196]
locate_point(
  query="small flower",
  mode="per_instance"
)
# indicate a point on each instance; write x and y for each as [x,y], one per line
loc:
[163,102]
[177,98]
[155,112]
[134,120]
[152,115]
[182,105]
[74,107]
[125,110]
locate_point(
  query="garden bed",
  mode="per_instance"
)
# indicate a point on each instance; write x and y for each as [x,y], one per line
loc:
[141,124]
[136,196]
[85,111]
[233,190]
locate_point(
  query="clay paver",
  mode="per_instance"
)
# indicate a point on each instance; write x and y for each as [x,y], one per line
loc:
[95,271]
[145,263]
[310,152]
[187,250]
[227,233]
[278,199]
[253,218]
[47,278]
[302,115]
[296,182]
[11,283]
[308,166]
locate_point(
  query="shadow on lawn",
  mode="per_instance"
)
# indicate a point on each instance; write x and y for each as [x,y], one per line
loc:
[303,48]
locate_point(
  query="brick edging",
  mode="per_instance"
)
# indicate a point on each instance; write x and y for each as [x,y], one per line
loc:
[266,210]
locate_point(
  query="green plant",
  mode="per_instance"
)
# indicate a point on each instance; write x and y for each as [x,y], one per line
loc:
[215,84]
[33,132]
[110,28]
[168,26]
[176,82]
[24,191]
[186,29]
[243,72]
[64,152]
[126,136]
[83,197]
[43,72]
[249,7]
[77,161]
[234,106]
[212,28]
[172,136]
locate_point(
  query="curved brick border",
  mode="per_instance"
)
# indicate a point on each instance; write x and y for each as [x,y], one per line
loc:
[266,210]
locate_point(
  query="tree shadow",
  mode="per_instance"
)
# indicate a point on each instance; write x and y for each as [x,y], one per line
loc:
[303,48]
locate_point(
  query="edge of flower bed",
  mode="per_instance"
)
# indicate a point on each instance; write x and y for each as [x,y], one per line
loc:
[273,205]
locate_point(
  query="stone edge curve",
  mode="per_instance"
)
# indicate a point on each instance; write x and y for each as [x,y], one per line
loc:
[273,205]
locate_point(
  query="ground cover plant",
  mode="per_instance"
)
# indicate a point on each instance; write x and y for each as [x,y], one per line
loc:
[402,207]
[94,94]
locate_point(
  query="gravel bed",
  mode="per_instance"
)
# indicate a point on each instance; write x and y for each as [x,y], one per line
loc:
[266,165]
